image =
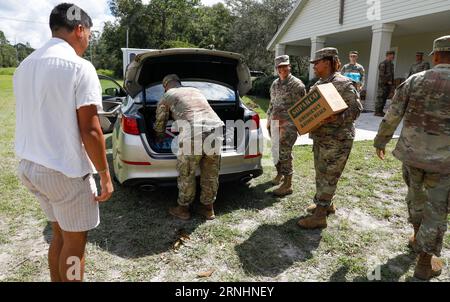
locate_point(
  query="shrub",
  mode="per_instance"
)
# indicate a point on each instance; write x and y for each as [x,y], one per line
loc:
[261,86]
[7,71]
[106,72]
[177,44]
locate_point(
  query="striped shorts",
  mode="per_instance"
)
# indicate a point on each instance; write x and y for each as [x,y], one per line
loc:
[68,201]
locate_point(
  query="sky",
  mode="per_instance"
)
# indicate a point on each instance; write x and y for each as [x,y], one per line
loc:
[27,20]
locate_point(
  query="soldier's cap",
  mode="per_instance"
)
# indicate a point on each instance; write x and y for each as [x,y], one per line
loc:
[282,61]
[390,52]
[354,52]
[441,44]
[169,78]
[419,53]
[324,53]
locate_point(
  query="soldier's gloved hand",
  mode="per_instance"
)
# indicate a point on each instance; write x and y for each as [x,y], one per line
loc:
[381,153]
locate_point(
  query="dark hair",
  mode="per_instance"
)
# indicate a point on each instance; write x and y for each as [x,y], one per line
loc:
[68,16]
[445,55]
[335,63]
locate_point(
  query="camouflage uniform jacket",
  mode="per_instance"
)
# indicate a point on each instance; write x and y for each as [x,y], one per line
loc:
[423,101]
[349,70]
[386,73]
[284,95]
[186,104]
[418,67]
[344,126]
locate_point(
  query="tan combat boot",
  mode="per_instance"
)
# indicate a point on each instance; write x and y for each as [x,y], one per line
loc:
[412,241]
[277,180]
[286,187]
[181,212]
[331,210]
[207,211]
[428,267]
[318,220]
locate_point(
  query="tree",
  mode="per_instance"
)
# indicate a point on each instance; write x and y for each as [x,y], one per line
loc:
[212,28]
[23,50]
[8,55]
[255,25]
[243,26]
[3,38]
[156,25]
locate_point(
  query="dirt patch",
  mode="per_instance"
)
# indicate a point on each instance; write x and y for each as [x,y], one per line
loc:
[362,221]
[246,225]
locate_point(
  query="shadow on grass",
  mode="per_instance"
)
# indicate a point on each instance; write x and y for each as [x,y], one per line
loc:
[272,249]
[136,224]
[391,271]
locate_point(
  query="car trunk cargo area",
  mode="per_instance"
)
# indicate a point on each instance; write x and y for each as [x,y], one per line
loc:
[226,112]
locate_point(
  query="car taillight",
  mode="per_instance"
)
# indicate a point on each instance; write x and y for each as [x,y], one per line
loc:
[250,156]
[256,121]
[130,125]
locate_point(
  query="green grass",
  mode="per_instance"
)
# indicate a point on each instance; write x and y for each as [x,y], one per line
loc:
[7,71]
[106,72]
[260,105]
[254,238]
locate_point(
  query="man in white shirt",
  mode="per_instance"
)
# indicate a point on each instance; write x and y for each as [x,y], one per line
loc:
[59,140]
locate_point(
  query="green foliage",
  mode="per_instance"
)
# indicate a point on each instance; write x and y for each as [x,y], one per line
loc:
[106,72]
[7,71]
[242,26]
[23,51]
[261,86]
[177,44]
[7,56]
[212,29]
[12,55]
[255,25]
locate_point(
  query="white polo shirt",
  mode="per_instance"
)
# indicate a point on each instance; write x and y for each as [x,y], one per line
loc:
[49,86]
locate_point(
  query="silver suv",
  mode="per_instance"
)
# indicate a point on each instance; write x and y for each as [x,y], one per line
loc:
[222,77]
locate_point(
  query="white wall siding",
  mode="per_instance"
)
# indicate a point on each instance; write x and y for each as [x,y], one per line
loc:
[321,17]
[407,47]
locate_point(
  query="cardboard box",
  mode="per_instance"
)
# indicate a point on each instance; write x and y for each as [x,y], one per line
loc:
[319,104]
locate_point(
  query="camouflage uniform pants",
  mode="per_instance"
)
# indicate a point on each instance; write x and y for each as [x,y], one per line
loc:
[287,139]
[187,165]
[428,205]
[382,96]
[330,158]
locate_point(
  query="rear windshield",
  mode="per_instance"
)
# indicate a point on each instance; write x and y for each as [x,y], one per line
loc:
[212,91]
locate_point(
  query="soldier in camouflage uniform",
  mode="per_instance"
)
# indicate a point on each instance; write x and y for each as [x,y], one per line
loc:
[355,71]
[423,101]
[385,82]
[419,66]
[284,93]
[333,140]
[190,106]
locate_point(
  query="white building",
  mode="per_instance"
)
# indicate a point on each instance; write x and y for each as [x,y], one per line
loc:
[372,27]
[128,55]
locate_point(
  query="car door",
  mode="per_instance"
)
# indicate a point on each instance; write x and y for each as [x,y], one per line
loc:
[113,96]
